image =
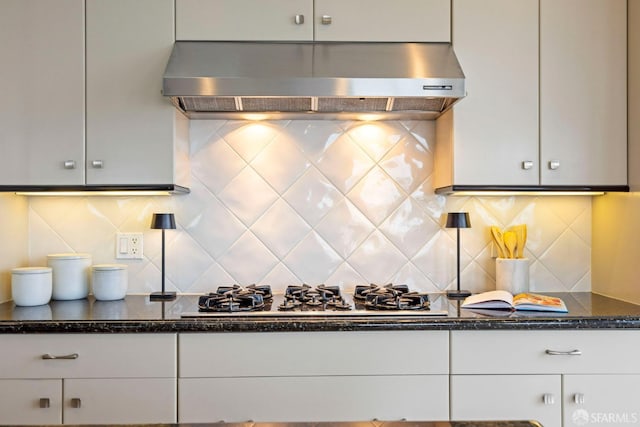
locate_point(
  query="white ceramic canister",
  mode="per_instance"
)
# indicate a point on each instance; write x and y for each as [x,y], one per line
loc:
[109,281]
[70,275]
[31,286]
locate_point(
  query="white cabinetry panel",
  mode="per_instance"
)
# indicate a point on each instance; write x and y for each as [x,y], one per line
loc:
[507,397]
[381,20]
[516,352]
[494,129]
[583,92]
[244,19]
[317,353]
[130,125]
[120,401]
[42,86]
[601,399]
[98,356]
[20,402]
[343,398]
[321,20]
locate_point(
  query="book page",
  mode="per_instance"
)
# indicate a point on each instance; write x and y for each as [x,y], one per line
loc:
[493,299]
[529,301]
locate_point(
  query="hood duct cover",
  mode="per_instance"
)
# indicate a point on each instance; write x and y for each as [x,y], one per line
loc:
[231,79]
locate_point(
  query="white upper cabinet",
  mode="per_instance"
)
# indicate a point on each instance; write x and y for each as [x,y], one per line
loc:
[42,86]
[583,92]
[131,128]
[546,103]
[324,20]
[494,129]
[383,21]
[244,19]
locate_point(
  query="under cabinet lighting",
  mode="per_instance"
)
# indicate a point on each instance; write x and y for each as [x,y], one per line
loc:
[93,193]
[525,193]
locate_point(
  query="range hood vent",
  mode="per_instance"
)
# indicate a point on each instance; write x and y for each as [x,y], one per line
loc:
[233,79]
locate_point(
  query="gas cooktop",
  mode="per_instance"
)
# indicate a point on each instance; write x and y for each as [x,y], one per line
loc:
[314,301]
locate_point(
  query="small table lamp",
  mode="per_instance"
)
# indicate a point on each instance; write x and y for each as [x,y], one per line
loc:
[458,220]
[163,221]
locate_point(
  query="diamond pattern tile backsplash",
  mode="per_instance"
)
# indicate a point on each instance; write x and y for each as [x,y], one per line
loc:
[333,202]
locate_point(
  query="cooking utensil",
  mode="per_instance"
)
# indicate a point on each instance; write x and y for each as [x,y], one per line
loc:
[498,239]
[521,235]
[510,241]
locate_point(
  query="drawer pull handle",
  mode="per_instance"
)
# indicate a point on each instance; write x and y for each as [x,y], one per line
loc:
[45,403]
[578,399]
[564,353]
[76,403]
[65,357]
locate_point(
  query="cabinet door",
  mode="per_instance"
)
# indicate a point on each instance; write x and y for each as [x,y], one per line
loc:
[507,397]
[583,116]
[382,20]
[130,126]
[30,402]
[601,399]
[120,401]
[495,127]
[244,19]
[307,399]
[42,86]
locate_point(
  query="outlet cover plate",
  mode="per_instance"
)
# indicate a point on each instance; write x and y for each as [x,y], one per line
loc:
[129,246]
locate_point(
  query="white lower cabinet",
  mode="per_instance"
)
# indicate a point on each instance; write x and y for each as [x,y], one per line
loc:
[507,397]
[88,379]
[30,402]
[318,376]
[559,378]
[601,400]
[119,400]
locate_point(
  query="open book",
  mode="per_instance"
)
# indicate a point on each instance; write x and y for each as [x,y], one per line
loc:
[504,300]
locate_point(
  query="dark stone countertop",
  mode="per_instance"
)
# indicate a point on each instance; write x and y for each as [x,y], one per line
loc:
[137,314]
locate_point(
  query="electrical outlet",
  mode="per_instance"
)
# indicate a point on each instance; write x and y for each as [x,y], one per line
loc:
[129,246]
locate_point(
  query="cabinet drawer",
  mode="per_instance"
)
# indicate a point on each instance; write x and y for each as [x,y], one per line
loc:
[527,352]
[98,355]
[316,353]
[305,399]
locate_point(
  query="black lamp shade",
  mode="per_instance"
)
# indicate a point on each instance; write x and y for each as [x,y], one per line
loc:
[458,220]
[163,221]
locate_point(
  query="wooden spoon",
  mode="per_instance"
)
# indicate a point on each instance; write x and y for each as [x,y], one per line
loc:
[510,241]
[521,234]
[499,241]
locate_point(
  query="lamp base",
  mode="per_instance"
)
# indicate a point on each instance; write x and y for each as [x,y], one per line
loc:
[458,294]
[162,296]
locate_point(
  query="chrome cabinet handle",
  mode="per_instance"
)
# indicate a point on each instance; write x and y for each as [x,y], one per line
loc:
[578,398]
[564,353]
[554,164]
[64,357]
[326,20]
[527,164]
[548,399]
[69,164]
[299,19]
[98,164]
[45,402]
[76,403]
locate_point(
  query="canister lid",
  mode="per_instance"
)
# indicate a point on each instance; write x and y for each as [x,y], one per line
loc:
[31,270]
[69,256]
[108,267]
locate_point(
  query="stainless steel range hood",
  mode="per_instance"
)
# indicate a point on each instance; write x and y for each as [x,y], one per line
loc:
[237,79]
